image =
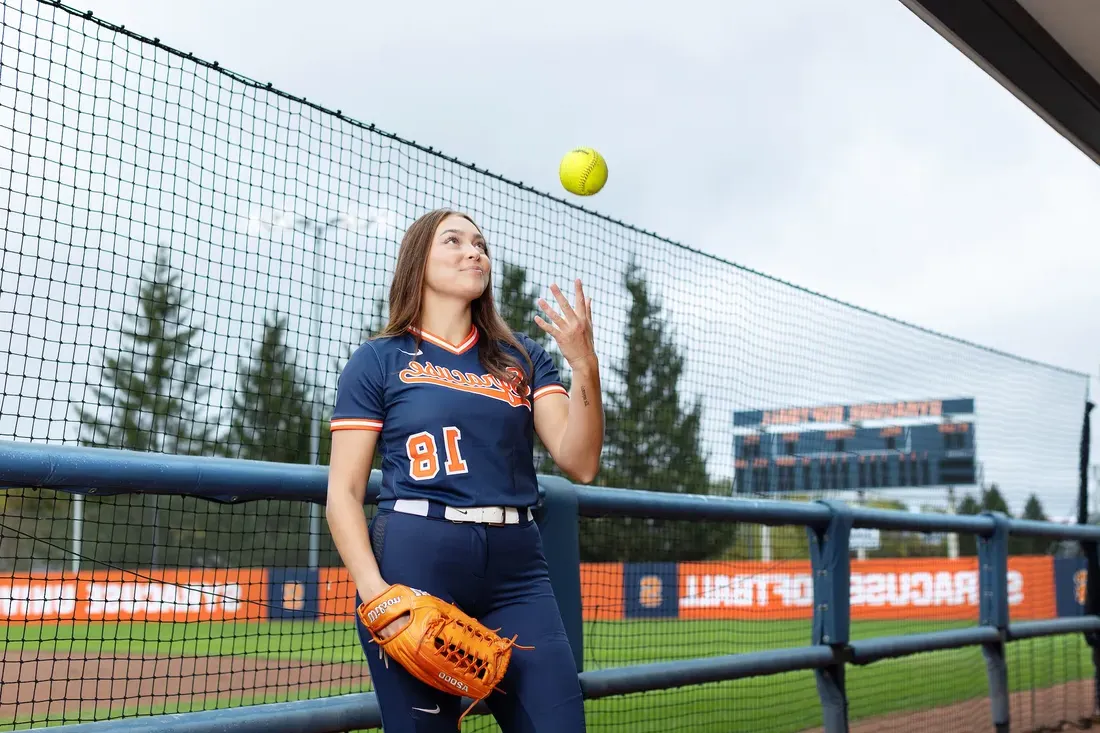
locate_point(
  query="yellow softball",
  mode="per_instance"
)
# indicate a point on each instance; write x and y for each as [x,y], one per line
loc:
[583,171]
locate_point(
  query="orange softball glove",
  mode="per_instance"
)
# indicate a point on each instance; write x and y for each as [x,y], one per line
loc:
[440,646]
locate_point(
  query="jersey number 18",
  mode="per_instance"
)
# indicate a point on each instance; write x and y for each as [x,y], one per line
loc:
[424,454]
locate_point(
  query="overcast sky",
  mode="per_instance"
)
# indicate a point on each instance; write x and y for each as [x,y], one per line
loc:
[844,147]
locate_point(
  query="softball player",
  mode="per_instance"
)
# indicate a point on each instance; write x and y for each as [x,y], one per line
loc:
[452,399]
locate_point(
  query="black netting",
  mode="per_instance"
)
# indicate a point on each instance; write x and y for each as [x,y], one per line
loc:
[188,259]
[144,604]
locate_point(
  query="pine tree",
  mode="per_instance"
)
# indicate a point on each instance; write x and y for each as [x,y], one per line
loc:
[518,306]
[271,410]
[1033,510]
[153,384]
[269,420]
[152,392]
[994,501]
[968,543]
[969,505]
[653,442]
[372,324]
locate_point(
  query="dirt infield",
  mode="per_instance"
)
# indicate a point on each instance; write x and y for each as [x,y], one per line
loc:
[1061,708]
[36,683]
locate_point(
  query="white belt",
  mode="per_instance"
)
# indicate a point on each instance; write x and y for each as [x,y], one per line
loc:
[476,514]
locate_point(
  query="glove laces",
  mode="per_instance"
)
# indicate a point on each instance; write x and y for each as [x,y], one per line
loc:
[454,640]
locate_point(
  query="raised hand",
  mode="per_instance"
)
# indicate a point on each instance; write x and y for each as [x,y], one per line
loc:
[571,329]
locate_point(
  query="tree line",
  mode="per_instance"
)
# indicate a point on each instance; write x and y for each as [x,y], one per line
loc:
[152,395]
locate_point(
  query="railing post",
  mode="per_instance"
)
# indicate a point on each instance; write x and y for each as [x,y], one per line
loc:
[1092,608]
[558,519]
[993,611]
[831,567]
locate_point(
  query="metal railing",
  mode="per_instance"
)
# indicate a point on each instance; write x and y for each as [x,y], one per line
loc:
[828,525]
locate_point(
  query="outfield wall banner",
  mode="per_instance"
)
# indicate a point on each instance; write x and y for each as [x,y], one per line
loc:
[146,595]
[602,589]
[1070,574]
[1039,587]
[925,588]
[293,594]
[649,589]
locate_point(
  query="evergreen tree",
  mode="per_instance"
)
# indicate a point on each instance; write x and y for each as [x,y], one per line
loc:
[969,505]
[518,306]
[152,384]
[652,443]
[994,501]
[1033,510]
[152,391]
[968,543]
[902,543]
[270,420]
[35,534]
[372,325]
[271,417]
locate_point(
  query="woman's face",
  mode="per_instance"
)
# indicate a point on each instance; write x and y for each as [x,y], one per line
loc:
[458,262]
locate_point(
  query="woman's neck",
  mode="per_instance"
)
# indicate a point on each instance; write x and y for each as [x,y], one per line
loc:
[446,320]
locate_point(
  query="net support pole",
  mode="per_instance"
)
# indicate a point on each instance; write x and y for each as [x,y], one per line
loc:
[830,548]
[1092,556]
[315,230]
[558,520]
[993,612]
[1083,467]
[77,531]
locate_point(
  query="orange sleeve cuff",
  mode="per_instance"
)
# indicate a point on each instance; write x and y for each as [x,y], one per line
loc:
[355,423]
[549,390]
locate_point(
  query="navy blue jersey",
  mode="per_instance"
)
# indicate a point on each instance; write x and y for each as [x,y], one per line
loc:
[450,431]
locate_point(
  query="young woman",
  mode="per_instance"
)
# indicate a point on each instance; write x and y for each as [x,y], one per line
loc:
[453,398]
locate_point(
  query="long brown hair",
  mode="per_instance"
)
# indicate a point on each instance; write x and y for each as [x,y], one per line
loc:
[406,300]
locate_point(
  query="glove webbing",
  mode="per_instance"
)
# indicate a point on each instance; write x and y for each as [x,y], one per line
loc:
[452,639]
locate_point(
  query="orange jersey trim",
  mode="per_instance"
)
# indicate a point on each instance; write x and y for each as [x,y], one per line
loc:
[352,423]
[462,348]
[548,390]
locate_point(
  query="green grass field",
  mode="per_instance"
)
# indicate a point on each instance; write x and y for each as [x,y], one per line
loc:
[780,703]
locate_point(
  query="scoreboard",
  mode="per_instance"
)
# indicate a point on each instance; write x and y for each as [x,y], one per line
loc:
[853,447]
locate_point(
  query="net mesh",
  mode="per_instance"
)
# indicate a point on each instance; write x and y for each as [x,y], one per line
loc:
[189,256]
[1050,679]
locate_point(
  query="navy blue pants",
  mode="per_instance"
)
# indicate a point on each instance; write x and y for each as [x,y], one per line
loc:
[498,575]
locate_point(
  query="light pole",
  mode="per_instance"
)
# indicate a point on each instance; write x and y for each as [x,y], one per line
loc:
[314,228]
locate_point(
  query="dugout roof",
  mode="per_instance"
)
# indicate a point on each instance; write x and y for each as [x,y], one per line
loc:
[1046,52]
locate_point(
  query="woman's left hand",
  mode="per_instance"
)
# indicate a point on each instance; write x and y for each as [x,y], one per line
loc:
[572,329]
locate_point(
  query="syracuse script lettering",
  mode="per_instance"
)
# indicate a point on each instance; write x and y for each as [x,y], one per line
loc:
[485,384]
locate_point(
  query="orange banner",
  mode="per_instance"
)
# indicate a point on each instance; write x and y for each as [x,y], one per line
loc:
[601,591]
[918,588]
[336,594]
[148,595]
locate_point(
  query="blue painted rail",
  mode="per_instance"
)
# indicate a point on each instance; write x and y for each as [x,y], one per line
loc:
[828,525]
